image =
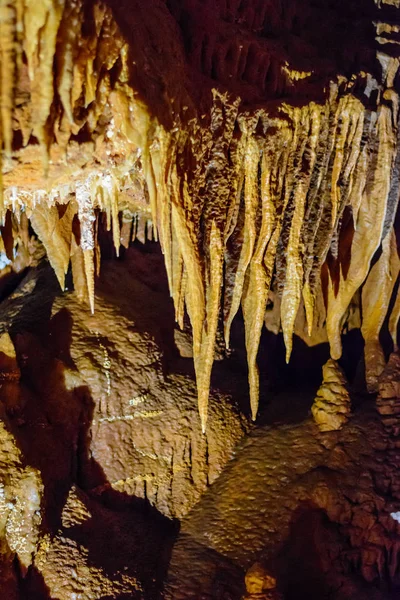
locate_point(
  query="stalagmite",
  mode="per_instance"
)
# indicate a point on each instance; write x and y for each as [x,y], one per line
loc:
[331,407]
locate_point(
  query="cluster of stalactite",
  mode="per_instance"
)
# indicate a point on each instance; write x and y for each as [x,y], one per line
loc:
[303,198]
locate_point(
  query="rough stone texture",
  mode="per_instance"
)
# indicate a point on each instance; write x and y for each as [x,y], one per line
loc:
[113,433]
[144,437]
[21,492]
[95,553]
[388,400]
[260,585]
[21,487]
[314,506]
[375,359]
[319,510]
[331,408]
[258,141]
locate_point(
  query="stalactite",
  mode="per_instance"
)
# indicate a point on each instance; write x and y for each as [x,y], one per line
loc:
[8,28]
[242,199]
[107,192]
[88,262]
[67,55]
[394,321]
[250,155]
[159,159]
[368,229]
[87,242]
[41,22]
[203,361]
[78,271]
[8,51]
[258,282]
[294,271]
[55,232]
[376,295]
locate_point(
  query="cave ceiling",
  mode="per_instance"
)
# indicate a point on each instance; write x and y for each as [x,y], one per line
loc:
[256,140]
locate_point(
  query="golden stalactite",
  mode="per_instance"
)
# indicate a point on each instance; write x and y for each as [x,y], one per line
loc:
[9,51]
[8,64]
[55,232]
[344,119]
[107,197]
[78,271]
[194,292]
[41,23]
[376,294]
[258,281]
[291,295]
[203,361]
[368,228]
[394,320]
[160,154]
[88,263]
[250,155]
[241,200]
[85,193]
[67,55]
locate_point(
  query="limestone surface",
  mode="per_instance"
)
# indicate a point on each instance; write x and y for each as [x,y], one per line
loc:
[332,406]
[262,156]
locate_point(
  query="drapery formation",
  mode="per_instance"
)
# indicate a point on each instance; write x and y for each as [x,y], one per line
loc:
[299,195]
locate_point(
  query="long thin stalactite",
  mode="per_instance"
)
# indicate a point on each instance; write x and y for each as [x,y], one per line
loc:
[240,199]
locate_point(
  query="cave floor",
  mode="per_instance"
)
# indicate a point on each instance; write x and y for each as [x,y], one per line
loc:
[271,503]
[144,506]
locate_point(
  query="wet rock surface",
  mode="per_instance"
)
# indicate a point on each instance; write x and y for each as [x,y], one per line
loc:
[309,504]
[114,434]
[258,142]
[135,502]
[388,401]
[332,406]
[144,437]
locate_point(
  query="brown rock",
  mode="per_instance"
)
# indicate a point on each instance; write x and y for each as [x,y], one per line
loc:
[331,408]
[388,400]
[260,584]
[21,491]
[144,435]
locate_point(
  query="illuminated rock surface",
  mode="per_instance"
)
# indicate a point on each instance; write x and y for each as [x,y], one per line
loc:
[257,152]
[331,408]
[315,508]
[255,143]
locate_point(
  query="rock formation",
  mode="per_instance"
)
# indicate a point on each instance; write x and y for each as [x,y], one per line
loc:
[260,584]
[258,164]
[112,444]
[255,143]
[388,401]
[331,408]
